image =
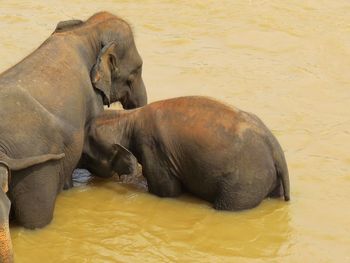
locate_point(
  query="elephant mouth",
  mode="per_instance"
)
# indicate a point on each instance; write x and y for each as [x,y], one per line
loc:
[128,107]
[105,101]
[127,103]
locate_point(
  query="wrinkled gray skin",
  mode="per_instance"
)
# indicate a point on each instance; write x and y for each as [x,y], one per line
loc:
[46,101]
[195,144]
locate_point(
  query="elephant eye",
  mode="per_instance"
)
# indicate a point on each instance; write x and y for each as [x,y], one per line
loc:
[136,70]
[129,81]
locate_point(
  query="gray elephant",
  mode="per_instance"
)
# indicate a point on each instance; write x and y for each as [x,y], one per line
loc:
[46,101]
[195,144]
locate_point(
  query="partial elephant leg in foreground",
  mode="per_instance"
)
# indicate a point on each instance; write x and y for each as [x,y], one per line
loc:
[6,254]
[33,197]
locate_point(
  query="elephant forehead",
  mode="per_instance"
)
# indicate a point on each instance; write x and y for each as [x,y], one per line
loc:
[101,16]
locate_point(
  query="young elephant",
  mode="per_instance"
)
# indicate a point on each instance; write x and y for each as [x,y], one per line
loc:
[221,154]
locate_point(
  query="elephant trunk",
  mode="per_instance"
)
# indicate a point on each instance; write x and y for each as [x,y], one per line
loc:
[142,95]
[281,166]
[6,253]
[137,98]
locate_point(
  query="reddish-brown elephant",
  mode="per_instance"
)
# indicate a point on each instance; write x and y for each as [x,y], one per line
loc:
[196,144]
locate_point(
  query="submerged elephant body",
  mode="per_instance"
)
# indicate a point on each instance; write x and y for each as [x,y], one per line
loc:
[194,144]
[46,101]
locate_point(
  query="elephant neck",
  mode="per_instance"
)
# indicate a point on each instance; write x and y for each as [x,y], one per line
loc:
[118,127]
[126,122]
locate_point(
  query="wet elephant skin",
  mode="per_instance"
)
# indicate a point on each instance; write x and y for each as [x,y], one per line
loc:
[194,144]
[47,100]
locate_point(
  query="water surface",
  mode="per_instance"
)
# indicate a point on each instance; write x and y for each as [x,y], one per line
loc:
[286,61]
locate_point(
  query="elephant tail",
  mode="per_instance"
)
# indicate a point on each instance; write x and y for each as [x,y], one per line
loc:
[282,173]
[22,163]
[281,167]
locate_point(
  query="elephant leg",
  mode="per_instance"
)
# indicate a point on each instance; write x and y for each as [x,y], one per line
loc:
[159,180]
[253,178]
[73,154]
[161,183]
[33,194]
[226,200]
[68,183]
[237,196]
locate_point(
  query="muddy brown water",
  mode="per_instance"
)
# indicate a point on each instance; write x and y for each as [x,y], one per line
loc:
[286,61]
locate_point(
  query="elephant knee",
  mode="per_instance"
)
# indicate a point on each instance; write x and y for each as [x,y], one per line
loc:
[33,211]
[236,200]
[33,216]
[33,223]
[166,190]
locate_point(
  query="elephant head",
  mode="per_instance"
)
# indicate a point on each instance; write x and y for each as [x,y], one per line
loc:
[105,163]
[117,73]
[108,151]
[5,204]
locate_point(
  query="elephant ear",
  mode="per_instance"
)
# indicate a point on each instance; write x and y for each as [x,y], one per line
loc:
[123,161]
[104,69]
[66,25]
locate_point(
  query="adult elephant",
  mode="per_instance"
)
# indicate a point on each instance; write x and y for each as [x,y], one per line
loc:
[46,101]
